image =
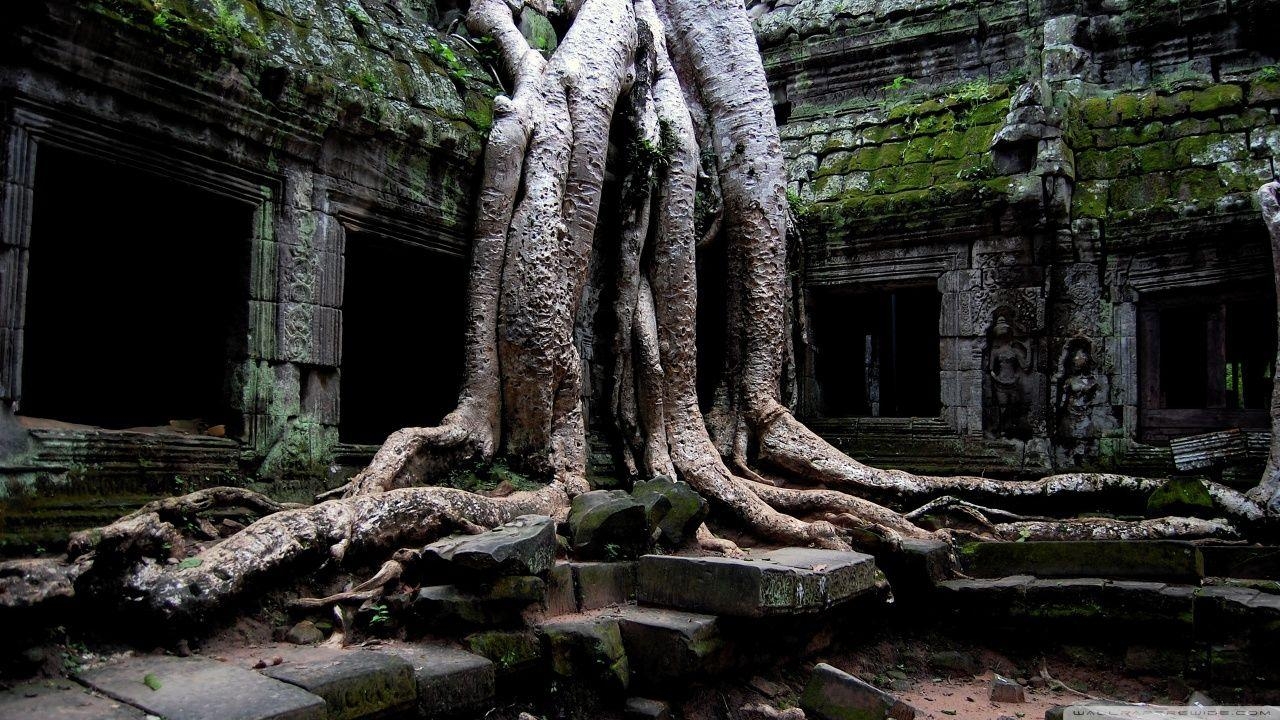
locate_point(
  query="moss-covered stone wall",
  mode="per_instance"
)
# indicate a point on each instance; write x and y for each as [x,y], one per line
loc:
[1062,164]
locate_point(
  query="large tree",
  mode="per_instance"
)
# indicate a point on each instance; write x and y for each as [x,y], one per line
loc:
[685,80]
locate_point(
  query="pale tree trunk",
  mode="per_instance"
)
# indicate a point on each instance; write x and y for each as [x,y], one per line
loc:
[688,77]
[1268,491]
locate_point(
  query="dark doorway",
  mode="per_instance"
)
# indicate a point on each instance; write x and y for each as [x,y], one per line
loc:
[1207,360]
[403,317]
[137,297]
[876,353]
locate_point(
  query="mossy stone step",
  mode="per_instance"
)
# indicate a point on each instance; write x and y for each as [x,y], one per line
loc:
[1155,559]
[788,581]
[355,684]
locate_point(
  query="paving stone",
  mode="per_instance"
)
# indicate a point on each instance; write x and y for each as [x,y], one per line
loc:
[666,646]
[601,584]
[608,525]
[200,689]
[451,682]
[587,652]
[1155,559]
[833,694]
[788,581]
[524,546]
[62,700]
[354,684]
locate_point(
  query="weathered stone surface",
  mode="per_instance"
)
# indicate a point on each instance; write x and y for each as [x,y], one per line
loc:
[1166,560]
[675,510]
[787,581]
[587,652]
[441,606]
[451,682]
[512,651]
[354,684]
[562,597]
[62,700]
[522,589]
[833,694]
[199,689]
[1235,561]
[607,525]
[524,546]
[304,633]
[601,584]
[666,646]
[638,708]
[1004,690]
[916,567]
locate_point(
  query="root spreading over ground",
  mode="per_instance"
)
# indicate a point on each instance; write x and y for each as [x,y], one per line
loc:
[685,80]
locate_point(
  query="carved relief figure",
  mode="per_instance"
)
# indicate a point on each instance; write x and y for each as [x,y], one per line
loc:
[1008,366]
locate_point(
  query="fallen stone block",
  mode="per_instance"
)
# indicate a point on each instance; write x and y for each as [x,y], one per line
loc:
[1004,690]
[670,646]
[524,546]
[200,689]
[607,525]
[354,684]
[787,581]
[674,509]
[954,663]
[451,682]
[833,694]
[62,700]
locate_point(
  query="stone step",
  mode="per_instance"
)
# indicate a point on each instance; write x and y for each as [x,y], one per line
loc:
[199,689]
[670,647]
[1164,560]
[788,581]
[62,700]
[1136,607]
[308,682]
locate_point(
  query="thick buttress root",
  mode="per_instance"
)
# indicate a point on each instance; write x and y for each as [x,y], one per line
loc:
[691,84]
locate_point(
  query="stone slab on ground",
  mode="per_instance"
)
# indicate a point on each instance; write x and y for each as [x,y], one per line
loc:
[833,694]
[62,700]
[1149,559]
[782,582]
[354,684]
[670,646]
[200,689]
[451,682]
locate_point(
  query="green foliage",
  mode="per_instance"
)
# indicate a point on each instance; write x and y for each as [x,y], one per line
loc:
[482,477]
[899,84]
[448,58]
[381,615]
[371,82]
[1270,73]
[647,160]
[190,563]
[151,681]
[976,172]
[977,90]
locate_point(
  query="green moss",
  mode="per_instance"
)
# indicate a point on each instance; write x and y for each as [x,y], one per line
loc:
[1155,157]
[1264,90]
[1211,149]
[1129,193]
[1090,199]
[1180,496]
[508,650]
[1216,98]
[919,149]
[1096,112]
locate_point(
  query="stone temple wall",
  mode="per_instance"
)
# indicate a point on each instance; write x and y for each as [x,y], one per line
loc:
[320,119]
[1065,174]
